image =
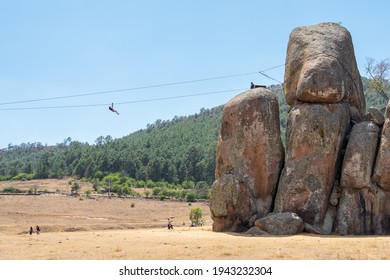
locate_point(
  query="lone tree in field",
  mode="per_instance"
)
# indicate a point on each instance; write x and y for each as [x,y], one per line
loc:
[195,216]
[379,73]
[74,187]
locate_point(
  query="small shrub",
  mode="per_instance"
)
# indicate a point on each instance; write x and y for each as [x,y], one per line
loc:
[23,177]
[191,197]
[156,191]
[4,178]
[88,193]
[11,190]
[98,175]
[147,193]
[33,189]
[132,205]
[75,187]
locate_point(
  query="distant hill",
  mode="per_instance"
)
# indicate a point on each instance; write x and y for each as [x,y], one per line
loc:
[173,151]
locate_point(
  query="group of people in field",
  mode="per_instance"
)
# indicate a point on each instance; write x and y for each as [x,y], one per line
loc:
[37,230]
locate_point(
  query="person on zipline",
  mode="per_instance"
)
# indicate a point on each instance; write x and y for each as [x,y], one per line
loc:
[111,108]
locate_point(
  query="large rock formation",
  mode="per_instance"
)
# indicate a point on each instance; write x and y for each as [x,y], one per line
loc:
[381,173]
[323,86]
[249,159]
[335,176]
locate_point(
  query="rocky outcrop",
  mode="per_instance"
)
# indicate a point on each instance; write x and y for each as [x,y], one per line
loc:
[323,86]
[286,223]
[375,116]
[289,223]
[381,172]
[360,156]
[321,67]
[359,204]
[315,135]
[335,175]
[249,159]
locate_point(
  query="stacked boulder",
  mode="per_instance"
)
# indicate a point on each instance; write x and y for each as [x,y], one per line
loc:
[381,178]
[322,87]
[249,159]
[325,182]
[357,209]
[365,181]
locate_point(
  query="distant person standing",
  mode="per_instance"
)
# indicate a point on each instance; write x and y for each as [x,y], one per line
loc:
[38,230]
[31,230]
[170,225]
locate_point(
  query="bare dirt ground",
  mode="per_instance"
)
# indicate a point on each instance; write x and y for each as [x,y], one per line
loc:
[103,228]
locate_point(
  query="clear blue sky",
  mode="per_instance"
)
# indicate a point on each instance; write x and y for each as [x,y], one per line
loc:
[63,48]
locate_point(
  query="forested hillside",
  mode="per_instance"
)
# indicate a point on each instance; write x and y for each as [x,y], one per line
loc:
[175,151]
[172,151]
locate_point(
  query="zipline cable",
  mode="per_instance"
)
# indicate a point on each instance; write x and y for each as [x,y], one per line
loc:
[120,103]
[138,88]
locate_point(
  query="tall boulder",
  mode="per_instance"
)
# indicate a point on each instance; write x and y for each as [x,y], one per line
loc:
[315,135]
[360,156]
[360,204]
[249,159]
[381,174]
[321,67]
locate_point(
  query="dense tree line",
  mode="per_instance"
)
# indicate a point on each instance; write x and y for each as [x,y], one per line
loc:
[173,151]
[179,150]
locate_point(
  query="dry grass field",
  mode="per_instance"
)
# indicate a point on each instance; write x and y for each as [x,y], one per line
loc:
[104,228]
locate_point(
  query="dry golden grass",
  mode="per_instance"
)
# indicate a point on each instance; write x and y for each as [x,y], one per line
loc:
[105,228]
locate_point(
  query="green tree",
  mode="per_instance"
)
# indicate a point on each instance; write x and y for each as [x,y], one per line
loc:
[88,193]
[196,216]
[156,191]
[11,190]
[98,175]
[74,187]
[42,166]
[191,197]
[57,166]
[147,193]
[142,174]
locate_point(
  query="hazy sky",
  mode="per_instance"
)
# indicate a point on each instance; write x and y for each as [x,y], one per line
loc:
[89,51]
